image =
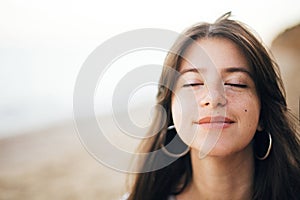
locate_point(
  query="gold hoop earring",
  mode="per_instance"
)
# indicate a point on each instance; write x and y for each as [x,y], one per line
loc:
[167,152]
[259,144]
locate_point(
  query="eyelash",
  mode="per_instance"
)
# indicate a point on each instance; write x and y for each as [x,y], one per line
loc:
[230,84]
[192,84]
[236,85]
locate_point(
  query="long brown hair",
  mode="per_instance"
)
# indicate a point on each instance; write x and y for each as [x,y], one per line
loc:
[278,176]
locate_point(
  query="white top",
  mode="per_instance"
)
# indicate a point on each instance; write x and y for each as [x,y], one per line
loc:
[125,196]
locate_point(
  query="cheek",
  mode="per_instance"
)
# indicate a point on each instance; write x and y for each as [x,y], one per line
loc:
[246,103]
[183,113]
[184,106]
[176,109]
[251,116]
[248,109]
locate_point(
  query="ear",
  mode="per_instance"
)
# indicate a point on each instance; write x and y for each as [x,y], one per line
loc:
[259,127]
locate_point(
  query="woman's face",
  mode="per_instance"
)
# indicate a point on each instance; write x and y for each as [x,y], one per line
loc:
[215,106]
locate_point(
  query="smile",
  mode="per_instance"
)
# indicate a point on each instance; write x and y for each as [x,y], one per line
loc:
[218,122]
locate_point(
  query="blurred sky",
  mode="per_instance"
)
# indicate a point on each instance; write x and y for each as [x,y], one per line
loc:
[44,43]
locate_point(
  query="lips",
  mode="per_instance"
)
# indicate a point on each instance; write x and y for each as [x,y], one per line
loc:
[217,119]
[217,122]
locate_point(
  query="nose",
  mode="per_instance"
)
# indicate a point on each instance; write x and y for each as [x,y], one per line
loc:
[214,98]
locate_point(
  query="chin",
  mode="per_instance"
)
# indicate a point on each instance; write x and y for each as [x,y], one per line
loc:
[219,149]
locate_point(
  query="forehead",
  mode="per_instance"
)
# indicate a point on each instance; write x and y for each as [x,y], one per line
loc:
[213,53]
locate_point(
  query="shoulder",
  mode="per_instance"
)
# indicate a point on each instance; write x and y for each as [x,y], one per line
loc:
[125,196]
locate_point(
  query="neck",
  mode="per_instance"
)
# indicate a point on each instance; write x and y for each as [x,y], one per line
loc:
[229,177]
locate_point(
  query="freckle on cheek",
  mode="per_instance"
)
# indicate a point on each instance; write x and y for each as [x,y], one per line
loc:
[246,110]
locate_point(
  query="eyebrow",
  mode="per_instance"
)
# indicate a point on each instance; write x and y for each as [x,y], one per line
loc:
[195,70]
[238,69]
[226,70]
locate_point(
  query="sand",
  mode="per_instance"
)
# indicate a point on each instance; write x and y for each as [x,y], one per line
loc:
[53,164]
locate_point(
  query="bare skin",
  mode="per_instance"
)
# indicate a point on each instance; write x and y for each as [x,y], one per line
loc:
[221,178]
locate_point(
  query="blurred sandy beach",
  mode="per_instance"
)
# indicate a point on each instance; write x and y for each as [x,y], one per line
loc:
[53,164]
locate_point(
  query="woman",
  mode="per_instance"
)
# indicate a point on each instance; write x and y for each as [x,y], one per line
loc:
[227,106]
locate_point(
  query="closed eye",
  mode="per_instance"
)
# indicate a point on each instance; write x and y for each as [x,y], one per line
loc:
[237,85]
[192,84]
